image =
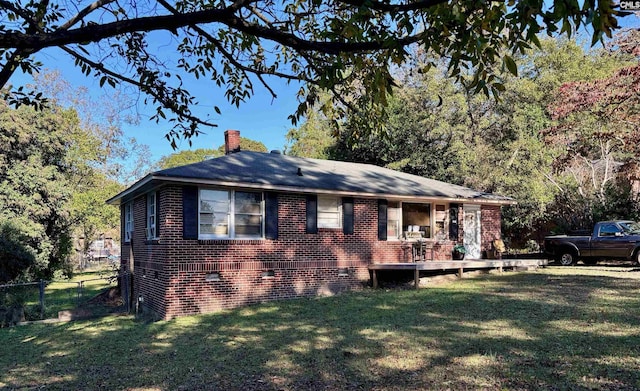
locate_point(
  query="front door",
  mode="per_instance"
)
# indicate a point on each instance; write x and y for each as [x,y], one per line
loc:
[471,239]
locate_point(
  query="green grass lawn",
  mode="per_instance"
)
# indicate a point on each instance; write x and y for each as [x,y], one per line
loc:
[575,328]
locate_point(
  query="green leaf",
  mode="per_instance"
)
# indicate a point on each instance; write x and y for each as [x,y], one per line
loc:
[511,65]
[499,87]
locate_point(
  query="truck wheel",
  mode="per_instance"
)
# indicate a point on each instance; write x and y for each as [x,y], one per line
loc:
[636,258]
[566,258]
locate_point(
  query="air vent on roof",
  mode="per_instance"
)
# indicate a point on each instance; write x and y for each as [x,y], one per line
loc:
[276,152]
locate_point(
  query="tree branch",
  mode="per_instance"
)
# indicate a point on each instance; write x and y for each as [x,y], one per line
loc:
[98,32]
[393,8]
[231,58]
[163,101]
[84,12]
[20,12]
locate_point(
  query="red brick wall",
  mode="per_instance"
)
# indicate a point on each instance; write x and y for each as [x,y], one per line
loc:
[172,275]
[491,225]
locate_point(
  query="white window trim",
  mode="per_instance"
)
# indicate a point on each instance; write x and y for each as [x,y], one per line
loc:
[398,220]
[128,222]
[150,229]
[231,218]
[322,224]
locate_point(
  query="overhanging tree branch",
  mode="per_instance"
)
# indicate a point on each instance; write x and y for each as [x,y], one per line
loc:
[393,8]
[166,103]
[344,46]
[98,32]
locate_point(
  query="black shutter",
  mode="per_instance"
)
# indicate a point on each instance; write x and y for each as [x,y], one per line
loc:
[157,214]
[347,215]
[453,222]
[312,214]
[122,222]
[382,219]
[146,214]
[271,218]
[190,212]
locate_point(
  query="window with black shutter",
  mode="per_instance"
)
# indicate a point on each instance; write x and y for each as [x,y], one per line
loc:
[312,214]
[347,216]
[382,219]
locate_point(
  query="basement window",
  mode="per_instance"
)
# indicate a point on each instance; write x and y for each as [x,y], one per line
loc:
[211,277]
[268,274]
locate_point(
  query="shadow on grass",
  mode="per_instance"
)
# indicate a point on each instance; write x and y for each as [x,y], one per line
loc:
[514,331]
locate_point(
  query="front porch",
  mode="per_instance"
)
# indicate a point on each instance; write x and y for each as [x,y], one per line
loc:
[475,264]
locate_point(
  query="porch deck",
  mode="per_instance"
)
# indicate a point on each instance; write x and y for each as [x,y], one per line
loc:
[474,264]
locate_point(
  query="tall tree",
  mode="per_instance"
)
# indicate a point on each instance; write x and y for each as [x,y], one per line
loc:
[346,46]
[437,128]
[101,158]
[34,190]
[314,136]
[517,158]
[599,130]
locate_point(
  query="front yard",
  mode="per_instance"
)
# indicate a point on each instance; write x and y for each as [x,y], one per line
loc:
[574,328]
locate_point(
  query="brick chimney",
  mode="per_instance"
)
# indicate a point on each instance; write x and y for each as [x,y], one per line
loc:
[231,141]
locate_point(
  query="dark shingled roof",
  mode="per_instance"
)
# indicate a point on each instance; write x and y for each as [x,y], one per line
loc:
[280,172]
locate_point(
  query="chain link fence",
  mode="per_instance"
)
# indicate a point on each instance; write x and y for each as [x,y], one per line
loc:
[91,294]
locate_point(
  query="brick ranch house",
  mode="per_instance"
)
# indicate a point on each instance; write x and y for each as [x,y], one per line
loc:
[249,227]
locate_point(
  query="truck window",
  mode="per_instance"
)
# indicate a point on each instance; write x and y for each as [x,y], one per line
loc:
[608,230]
[630,227]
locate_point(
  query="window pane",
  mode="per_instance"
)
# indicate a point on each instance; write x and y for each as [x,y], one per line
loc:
[214,212]
[206,219]
[248,225]
[328,204]
[393,220]
[329,212]
[328,219]
[206,206]
[221,229]
[248,230]
[417,218]
[151,204]
[248,202]
[206,229]
[440,213]
[609,230]
[392,229]
[215,200]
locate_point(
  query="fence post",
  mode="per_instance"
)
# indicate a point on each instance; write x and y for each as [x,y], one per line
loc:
[41,299]
[125,296]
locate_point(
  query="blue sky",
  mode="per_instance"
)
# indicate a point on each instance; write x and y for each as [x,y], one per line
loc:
[261,118]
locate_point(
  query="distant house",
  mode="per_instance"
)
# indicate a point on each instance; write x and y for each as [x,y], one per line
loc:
[249,227]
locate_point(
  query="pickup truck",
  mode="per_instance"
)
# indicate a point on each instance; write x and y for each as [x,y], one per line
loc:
[619,239]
